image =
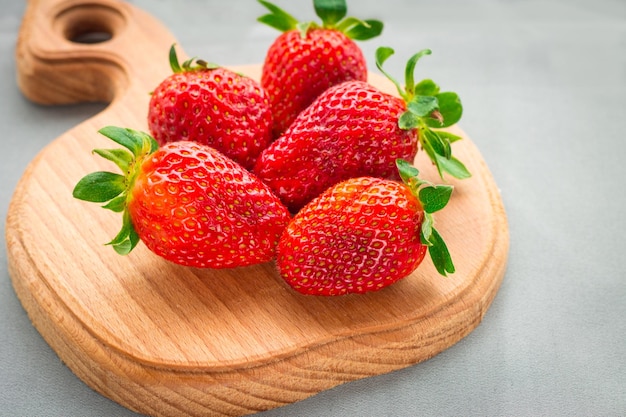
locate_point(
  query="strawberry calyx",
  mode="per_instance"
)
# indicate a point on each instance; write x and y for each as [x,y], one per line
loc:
[433,198]
[113,189]
[191,64]
[428,110]
[333,14]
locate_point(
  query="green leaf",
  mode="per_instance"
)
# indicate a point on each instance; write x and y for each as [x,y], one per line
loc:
[348,23]
[408,121]
[439,150]
[122,248]
[148,143]
[427,229]
[422,105]
[440,255]
[188,63]
[450,108]
[139,143]
[435,141]
[409,72]
[174,64]
[120,157]
[435,197]
[277,18]
[303,28]
[450,137]
[437,145]
[382,54]
[124,137]
[330,11]
[99,187]
[117,205]
[447,147]
[430,151]
[127,238]
[453,167]
[407,171]
[426,88]
[362,30]
[277,22]
[127,245]
[201,63]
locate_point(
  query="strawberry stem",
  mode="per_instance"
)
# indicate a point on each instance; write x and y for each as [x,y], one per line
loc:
[433,198]
[113,189]
[428,109]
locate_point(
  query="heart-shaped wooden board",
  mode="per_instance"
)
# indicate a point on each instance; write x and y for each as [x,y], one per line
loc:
[166,340]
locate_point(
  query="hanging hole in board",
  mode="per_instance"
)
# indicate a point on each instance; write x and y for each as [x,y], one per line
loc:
[89,23]
[90,36]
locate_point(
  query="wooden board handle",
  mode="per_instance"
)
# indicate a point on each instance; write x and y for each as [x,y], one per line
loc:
[89,50]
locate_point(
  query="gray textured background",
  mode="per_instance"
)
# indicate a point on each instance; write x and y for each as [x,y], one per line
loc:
[544,88]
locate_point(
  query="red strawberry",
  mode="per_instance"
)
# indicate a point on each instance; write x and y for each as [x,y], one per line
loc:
[353,130]
[187,202]
[308,58]
[364,234]
[213,106]
[332,141]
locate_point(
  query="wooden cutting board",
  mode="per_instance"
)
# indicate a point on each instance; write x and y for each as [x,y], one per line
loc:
[166,340]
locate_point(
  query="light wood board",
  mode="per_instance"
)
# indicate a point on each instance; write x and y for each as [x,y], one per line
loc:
[166,340]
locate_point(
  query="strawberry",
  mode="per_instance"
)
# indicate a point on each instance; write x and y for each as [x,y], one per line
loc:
[308,58]
[364,234]
[353,129]
[186,201]
[213,106]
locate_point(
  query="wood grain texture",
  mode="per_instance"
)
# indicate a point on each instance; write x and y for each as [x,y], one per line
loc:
[166,340]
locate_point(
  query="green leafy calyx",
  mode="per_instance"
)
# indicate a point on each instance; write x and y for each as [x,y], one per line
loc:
[333,14]
[114,189]
[433,198]
[428,110]
[192,64]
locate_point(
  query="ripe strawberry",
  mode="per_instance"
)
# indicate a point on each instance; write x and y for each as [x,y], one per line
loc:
[364,234]
[353,130]
[308,58]
[213,106]
[187,202]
